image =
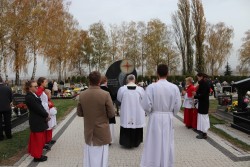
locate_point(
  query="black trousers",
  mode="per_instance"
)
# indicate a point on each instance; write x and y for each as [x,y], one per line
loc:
[5,124]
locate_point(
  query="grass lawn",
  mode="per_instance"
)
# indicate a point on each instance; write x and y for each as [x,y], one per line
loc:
[213,104]
[12,150]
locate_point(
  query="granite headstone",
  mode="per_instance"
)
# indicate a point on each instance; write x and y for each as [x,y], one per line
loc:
[117,74]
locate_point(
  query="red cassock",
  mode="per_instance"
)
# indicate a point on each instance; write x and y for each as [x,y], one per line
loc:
[188,107]
[194,118]
[48,135]
[36,144]
[194,115]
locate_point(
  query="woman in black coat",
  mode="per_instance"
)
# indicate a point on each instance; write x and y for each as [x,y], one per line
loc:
[112,121]
[202,94]
[38,118]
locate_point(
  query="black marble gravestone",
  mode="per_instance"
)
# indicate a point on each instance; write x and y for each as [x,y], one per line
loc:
[117,74]
[19,104]
[241,118]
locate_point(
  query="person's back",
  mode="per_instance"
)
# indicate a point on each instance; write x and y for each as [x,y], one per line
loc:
[131,106]
[96,123]
[96,106]
[163,100]
[5,110]
[5,97]
[164,95]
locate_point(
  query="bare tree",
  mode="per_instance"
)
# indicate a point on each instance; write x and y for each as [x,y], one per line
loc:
[199,22]
[184,15]
[218,46]
[180,41]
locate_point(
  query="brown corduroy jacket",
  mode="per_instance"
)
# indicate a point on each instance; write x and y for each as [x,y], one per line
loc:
[96,106]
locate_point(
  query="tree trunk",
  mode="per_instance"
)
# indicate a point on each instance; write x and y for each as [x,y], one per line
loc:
[35,66]
[1,59]
[16,64]
[60,72]
[79,68]
[142,61]
[5,66]
[183,64]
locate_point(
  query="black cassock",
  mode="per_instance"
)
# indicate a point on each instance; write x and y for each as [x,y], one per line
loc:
[131,137]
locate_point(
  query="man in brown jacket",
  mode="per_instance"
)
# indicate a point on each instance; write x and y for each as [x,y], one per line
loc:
[96,106]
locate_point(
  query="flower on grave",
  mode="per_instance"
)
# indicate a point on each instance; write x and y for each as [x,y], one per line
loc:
[21,106]
[232,107]
[246,100]
[235,103]
[226,101]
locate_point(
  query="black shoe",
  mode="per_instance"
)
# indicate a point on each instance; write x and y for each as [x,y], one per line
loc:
[47,148]
[52,142]
[204,136]
[200,136]
[41,159]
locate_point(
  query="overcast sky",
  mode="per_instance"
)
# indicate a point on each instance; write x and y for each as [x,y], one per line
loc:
[235,13]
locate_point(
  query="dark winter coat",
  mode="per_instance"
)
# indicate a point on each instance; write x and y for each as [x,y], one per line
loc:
[202,94]
[37,114]
[5,98]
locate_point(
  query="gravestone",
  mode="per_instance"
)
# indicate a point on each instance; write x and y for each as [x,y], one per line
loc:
[241,118]
[117,74]
[19,104]
[226,89]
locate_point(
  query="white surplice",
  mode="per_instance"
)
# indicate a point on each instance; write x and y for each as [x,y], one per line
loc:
[163,101]
[203,123]
[96,156]
[132,114]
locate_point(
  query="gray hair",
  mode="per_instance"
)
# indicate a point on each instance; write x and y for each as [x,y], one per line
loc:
[130,77]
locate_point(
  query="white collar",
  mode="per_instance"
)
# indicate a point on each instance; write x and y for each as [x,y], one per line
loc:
[131,84]
[35,95]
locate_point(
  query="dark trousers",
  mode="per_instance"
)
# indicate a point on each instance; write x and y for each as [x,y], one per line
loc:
[5,124]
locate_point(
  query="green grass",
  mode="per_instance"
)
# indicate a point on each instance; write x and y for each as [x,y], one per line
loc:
[12,150]
[213,104]
[214,120]
[18,143]
[64,107]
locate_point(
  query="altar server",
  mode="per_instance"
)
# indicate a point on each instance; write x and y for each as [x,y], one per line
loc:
[132,114]
[188,102]
[163,102]
[52,122]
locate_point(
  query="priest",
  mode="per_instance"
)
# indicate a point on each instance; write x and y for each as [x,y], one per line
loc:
[132,114]
[162,103]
